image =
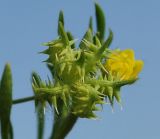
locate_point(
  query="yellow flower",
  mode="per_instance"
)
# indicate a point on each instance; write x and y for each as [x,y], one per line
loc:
[122,65]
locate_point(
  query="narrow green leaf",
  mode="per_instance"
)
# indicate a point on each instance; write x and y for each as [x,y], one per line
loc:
[63,34]
[100,20]
[60,19]
[109,40]
[36,79]
[97,41]
[91,23]
[110,95]
[117,94]
[70,37]
[51,69]
[125,82]
[6,102]
[88,36]
[106,44]
[40,121]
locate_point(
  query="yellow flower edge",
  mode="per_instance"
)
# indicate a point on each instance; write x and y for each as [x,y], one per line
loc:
[122,65]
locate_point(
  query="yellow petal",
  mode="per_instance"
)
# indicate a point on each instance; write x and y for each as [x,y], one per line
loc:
[122,65]
[137,68]
[128,53]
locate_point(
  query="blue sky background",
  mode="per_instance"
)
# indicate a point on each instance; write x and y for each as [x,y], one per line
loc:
[25,24]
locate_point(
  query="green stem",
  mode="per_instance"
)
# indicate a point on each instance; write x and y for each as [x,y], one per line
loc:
[63,126]
[23,100]
[5,127]
[11,131]
[40,121]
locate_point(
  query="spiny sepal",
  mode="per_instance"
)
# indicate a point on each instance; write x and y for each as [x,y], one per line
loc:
[49,92]
[85,99]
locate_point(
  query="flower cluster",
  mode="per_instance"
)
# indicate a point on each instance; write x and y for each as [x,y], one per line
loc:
[84,77]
